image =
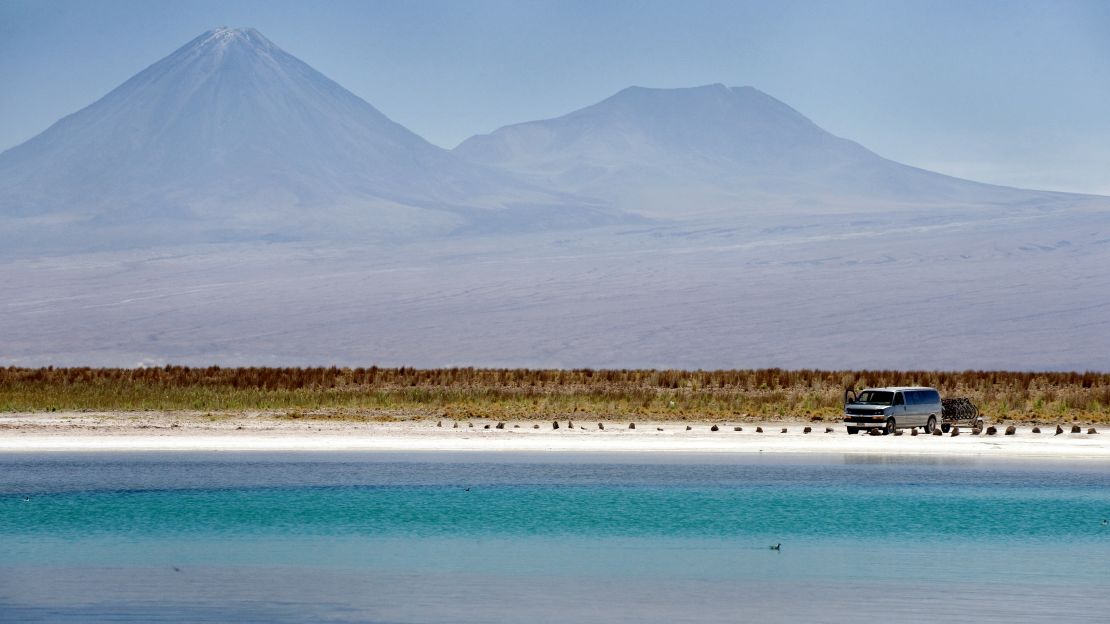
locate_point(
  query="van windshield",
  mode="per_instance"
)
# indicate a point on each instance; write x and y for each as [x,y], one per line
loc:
[876,397]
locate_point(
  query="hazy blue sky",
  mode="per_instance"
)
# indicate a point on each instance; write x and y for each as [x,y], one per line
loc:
[1010,92]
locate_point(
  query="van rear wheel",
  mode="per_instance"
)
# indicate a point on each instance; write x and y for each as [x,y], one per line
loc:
[929,426]
[890,426]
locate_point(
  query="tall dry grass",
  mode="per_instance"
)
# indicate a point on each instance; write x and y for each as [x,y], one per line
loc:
[524,393]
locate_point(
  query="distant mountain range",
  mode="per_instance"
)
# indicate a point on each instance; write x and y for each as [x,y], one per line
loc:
[231,205]
[231,138]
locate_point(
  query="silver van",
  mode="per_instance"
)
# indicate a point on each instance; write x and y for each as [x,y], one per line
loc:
[892,408]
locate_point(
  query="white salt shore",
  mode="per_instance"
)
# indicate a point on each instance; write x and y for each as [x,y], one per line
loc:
[81,433]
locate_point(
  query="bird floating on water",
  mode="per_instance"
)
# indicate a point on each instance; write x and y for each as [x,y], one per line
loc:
[776,547]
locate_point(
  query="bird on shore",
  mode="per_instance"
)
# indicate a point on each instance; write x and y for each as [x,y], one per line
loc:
[776,547]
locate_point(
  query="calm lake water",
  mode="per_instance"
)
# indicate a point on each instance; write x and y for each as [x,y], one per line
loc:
[383,537]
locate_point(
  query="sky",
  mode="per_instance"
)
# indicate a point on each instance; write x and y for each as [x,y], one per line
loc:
[1010,92]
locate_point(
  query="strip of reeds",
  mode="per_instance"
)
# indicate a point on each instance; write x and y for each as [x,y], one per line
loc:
[525,393]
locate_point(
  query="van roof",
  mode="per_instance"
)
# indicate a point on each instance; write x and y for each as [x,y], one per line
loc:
[897,388]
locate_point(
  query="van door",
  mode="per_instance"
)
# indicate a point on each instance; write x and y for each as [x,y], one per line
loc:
[911,407]
[900,413]
[920,407]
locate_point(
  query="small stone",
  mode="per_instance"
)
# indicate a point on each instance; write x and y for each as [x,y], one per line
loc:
[631,425]
[554,424]
[570,424]
[759,429]
[1011,430]
[536,426]
[439,424]
[875,431]
[500,425]
[936,431]
[714,428]
[991,430]
[1059,429]
[581,427]
[913,431]
[486,427]
[955,431]
[898,432]
[601,426]
[688,427]
[737,428]
[456,425]
[516,426]
[807,430]
[784,430]
[1036,429]
[658,428]
[1091,431]
[976,431]
[828,429]
[1076,429]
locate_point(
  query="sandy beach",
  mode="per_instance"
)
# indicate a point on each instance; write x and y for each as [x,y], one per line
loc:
[173,431]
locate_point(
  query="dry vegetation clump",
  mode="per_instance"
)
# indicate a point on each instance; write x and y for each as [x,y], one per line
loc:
[472,393]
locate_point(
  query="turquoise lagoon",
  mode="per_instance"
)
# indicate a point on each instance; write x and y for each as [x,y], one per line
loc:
[438,537]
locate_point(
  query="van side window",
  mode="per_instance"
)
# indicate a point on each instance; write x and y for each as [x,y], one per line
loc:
[898,400]
[913,397]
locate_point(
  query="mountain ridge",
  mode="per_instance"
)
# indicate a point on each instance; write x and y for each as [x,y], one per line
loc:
[734,145]
[229,136]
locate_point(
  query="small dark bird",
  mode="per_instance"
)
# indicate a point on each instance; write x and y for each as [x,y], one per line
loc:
[777,547]
[176,569]
[1104,520]
[27,499]
[467,489]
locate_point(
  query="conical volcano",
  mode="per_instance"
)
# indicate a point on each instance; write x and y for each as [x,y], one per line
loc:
[230,137]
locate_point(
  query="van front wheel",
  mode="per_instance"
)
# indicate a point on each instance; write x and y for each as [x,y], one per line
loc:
[889,429]
[929,426]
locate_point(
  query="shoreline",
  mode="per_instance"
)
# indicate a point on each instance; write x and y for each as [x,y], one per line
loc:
[170,431]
